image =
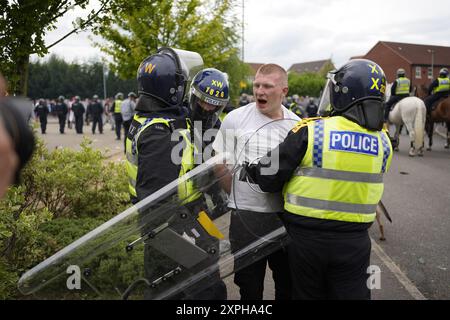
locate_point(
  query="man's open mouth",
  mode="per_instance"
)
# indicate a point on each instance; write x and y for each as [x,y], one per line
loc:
[262,101]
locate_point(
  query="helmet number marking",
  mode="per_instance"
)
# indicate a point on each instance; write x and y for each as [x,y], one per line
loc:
[213,92]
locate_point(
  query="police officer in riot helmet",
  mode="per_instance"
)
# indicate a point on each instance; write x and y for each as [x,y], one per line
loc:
[160,111]
[208,97]
[330,251]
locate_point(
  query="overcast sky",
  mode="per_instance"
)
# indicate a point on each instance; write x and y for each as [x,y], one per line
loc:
[292,31]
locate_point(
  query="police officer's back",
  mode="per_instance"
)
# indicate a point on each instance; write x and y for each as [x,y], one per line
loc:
[438,89]
[42,112]
[61,111]
[400,89]
[78,111]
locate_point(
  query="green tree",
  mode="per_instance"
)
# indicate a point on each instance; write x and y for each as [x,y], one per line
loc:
[306,84]
[54,77]
[136,28]
[23,25]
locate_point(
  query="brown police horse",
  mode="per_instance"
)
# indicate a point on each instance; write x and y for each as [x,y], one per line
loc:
[441,114]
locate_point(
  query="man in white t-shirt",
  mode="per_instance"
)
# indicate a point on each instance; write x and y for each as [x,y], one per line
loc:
[248,133]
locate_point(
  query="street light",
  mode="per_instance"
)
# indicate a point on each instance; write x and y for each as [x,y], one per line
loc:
[432,61]
[105,73]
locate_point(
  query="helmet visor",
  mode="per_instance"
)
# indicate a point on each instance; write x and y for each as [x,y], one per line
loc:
[324,108]
[206,112]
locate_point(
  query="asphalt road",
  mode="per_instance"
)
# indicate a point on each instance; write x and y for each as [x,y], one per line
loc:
[417,196]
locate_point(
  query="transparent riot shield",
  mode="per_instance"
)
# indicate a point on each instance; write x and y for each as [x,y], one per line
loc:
[167,246]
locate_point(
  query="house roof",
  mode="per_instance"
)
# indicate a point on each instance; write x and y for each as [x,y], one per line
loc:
[312,66]
[254,66]
[419,53]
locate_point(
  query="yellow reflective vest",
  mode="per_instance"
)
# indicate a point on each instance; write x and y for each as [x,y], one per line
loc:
[341,175]
[117,106]
[403,85]
[186,190]
[444,85]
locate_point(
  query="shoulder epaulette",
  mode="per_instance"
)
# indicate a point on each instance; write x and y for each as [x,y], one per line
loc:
[304,122]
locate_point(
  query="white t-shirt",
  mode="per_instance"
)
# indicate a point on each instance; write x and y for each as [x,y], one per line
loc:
[248,135]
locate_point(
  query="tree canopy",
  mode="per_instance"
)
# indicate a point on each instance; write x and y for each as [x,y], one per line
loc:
[55,77]
[136,28]
[23,25]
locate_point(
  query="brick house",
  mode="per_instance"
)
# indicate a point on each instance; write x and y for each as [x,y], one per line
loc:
[416,59]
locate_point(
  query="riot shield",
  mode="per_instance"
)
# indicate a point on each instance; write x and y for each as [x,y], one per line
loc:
[167,246]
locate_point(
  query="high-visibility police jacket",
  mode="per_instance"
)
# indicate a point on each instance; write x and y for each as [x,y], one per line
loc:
[443,85]
[117,106]
[403,86]
[186,190]
[341,174]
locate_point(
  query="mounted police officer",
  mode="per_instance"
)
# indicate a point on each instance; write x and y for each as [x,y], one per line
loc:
[400,89]
[331,173]
[161,110]
[439,89]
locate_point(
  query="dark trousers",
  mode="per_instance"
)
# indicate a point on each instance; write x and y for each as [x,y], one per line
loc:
[62,122]
[329,267]
[79,123]
[126,127]
[431,100]
[118,121]
[99,120]
[43,121]
[245,228]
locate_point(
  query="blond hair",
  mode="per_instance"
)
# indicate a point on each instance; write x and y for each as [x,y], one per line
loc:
[271,68]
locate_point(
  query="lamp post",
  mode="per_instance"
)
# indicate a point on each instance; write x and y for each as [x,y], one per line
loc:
[105,73]
[432,61]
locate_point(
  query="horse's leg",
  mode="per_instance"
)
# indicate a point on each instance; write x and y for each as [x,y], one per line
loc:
[380,225]
[397,136]
[412,137]
[447,144]
[430,134]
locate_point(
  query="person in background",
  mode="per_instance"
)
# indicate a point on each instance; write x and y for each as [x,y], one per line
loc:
[127,111]
[78,111]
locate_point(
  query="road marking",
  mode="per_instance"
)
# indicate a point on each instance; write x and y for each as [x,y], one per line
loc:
[401,277]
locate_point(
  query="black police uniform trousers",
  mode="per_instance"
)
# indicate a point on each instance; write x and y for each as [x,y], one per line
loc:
[392,101]
[328,265]
[97,119]
[79,123]
[118,124]
[43,122]
[62,122]
[431,100]
[245,228]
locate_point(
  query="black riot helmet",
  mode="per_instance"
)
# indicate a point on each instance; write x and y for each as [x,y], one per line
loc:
[163,77]
[356,91]
[209,96]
